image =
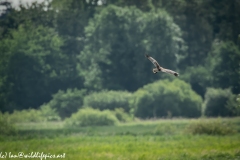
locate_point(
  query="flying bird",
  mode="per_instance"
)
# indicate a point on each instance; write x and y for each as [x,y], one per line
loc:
[159,68]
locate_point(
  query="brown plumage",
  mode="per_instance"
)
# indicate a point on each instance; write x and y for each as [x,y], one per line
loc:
[159,68]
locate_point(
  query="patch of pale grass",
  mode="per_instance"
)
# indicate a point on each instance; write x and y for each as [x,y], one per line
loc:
[40,125]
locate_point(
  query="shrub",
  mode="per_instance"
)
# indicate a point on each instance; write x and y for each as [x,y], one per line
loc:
[121,115]
[45,113]
[66,103]
[108,100]
[28,115]
[213,127]
[91,117]
[164,98]
[215,103]
[49,113]
[5,127]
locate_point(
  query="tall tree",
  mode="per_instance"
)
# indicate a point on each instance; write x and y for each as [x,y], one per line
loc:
[7,20]
[225,61]
[36,13]
[71,18]
[30,67]
[192,16]
[226,21]
[116,41]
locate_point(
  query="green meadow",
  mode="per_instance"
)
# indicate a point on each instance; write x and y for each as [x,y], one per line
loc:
[140,140]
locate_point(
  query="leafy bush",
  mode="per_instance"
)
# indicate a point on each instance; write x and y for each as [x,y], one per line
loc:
[5,127]
[49,113]
[28,115]
[164,98]
[91,117]
[212,127]
[108,100]
[121,115]
[215,103]
[45,113]
[66,103]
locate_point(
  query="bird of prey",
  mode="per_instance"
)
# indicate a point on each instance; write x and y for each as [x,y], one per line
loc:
[159,68]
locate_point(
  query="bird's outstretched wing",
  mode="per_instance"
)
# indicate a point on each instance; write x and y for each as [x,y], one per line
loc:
[170,72]
[153,61]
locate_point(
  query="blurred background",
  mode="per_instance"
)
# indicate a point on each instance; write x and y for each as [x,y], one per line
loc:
[61,56]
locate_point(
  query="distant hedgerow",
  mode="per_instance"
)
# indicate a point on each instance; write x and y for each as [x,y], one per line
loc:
[108,100]
[26,115]
[212,127]
[45,113]
[92,117]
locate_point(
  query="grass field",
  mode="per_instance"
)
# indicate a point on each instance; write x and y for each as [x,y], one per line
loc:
[143,140]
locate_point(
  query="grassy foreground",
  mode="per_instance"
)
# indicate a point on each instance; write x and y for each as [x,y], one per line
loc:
[135,141]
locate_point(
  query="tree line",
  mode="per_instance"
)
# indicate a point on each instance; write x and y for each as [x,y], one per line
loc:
[98,45]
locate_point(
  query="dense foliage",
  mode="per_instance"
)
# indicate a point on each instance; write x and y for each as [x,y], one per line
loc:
[225,61]
[219,102]
[116,40]
[49,48]
[30,65]
[108,100]
[6,128]
[167,98]
[45,113]
[66,103]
